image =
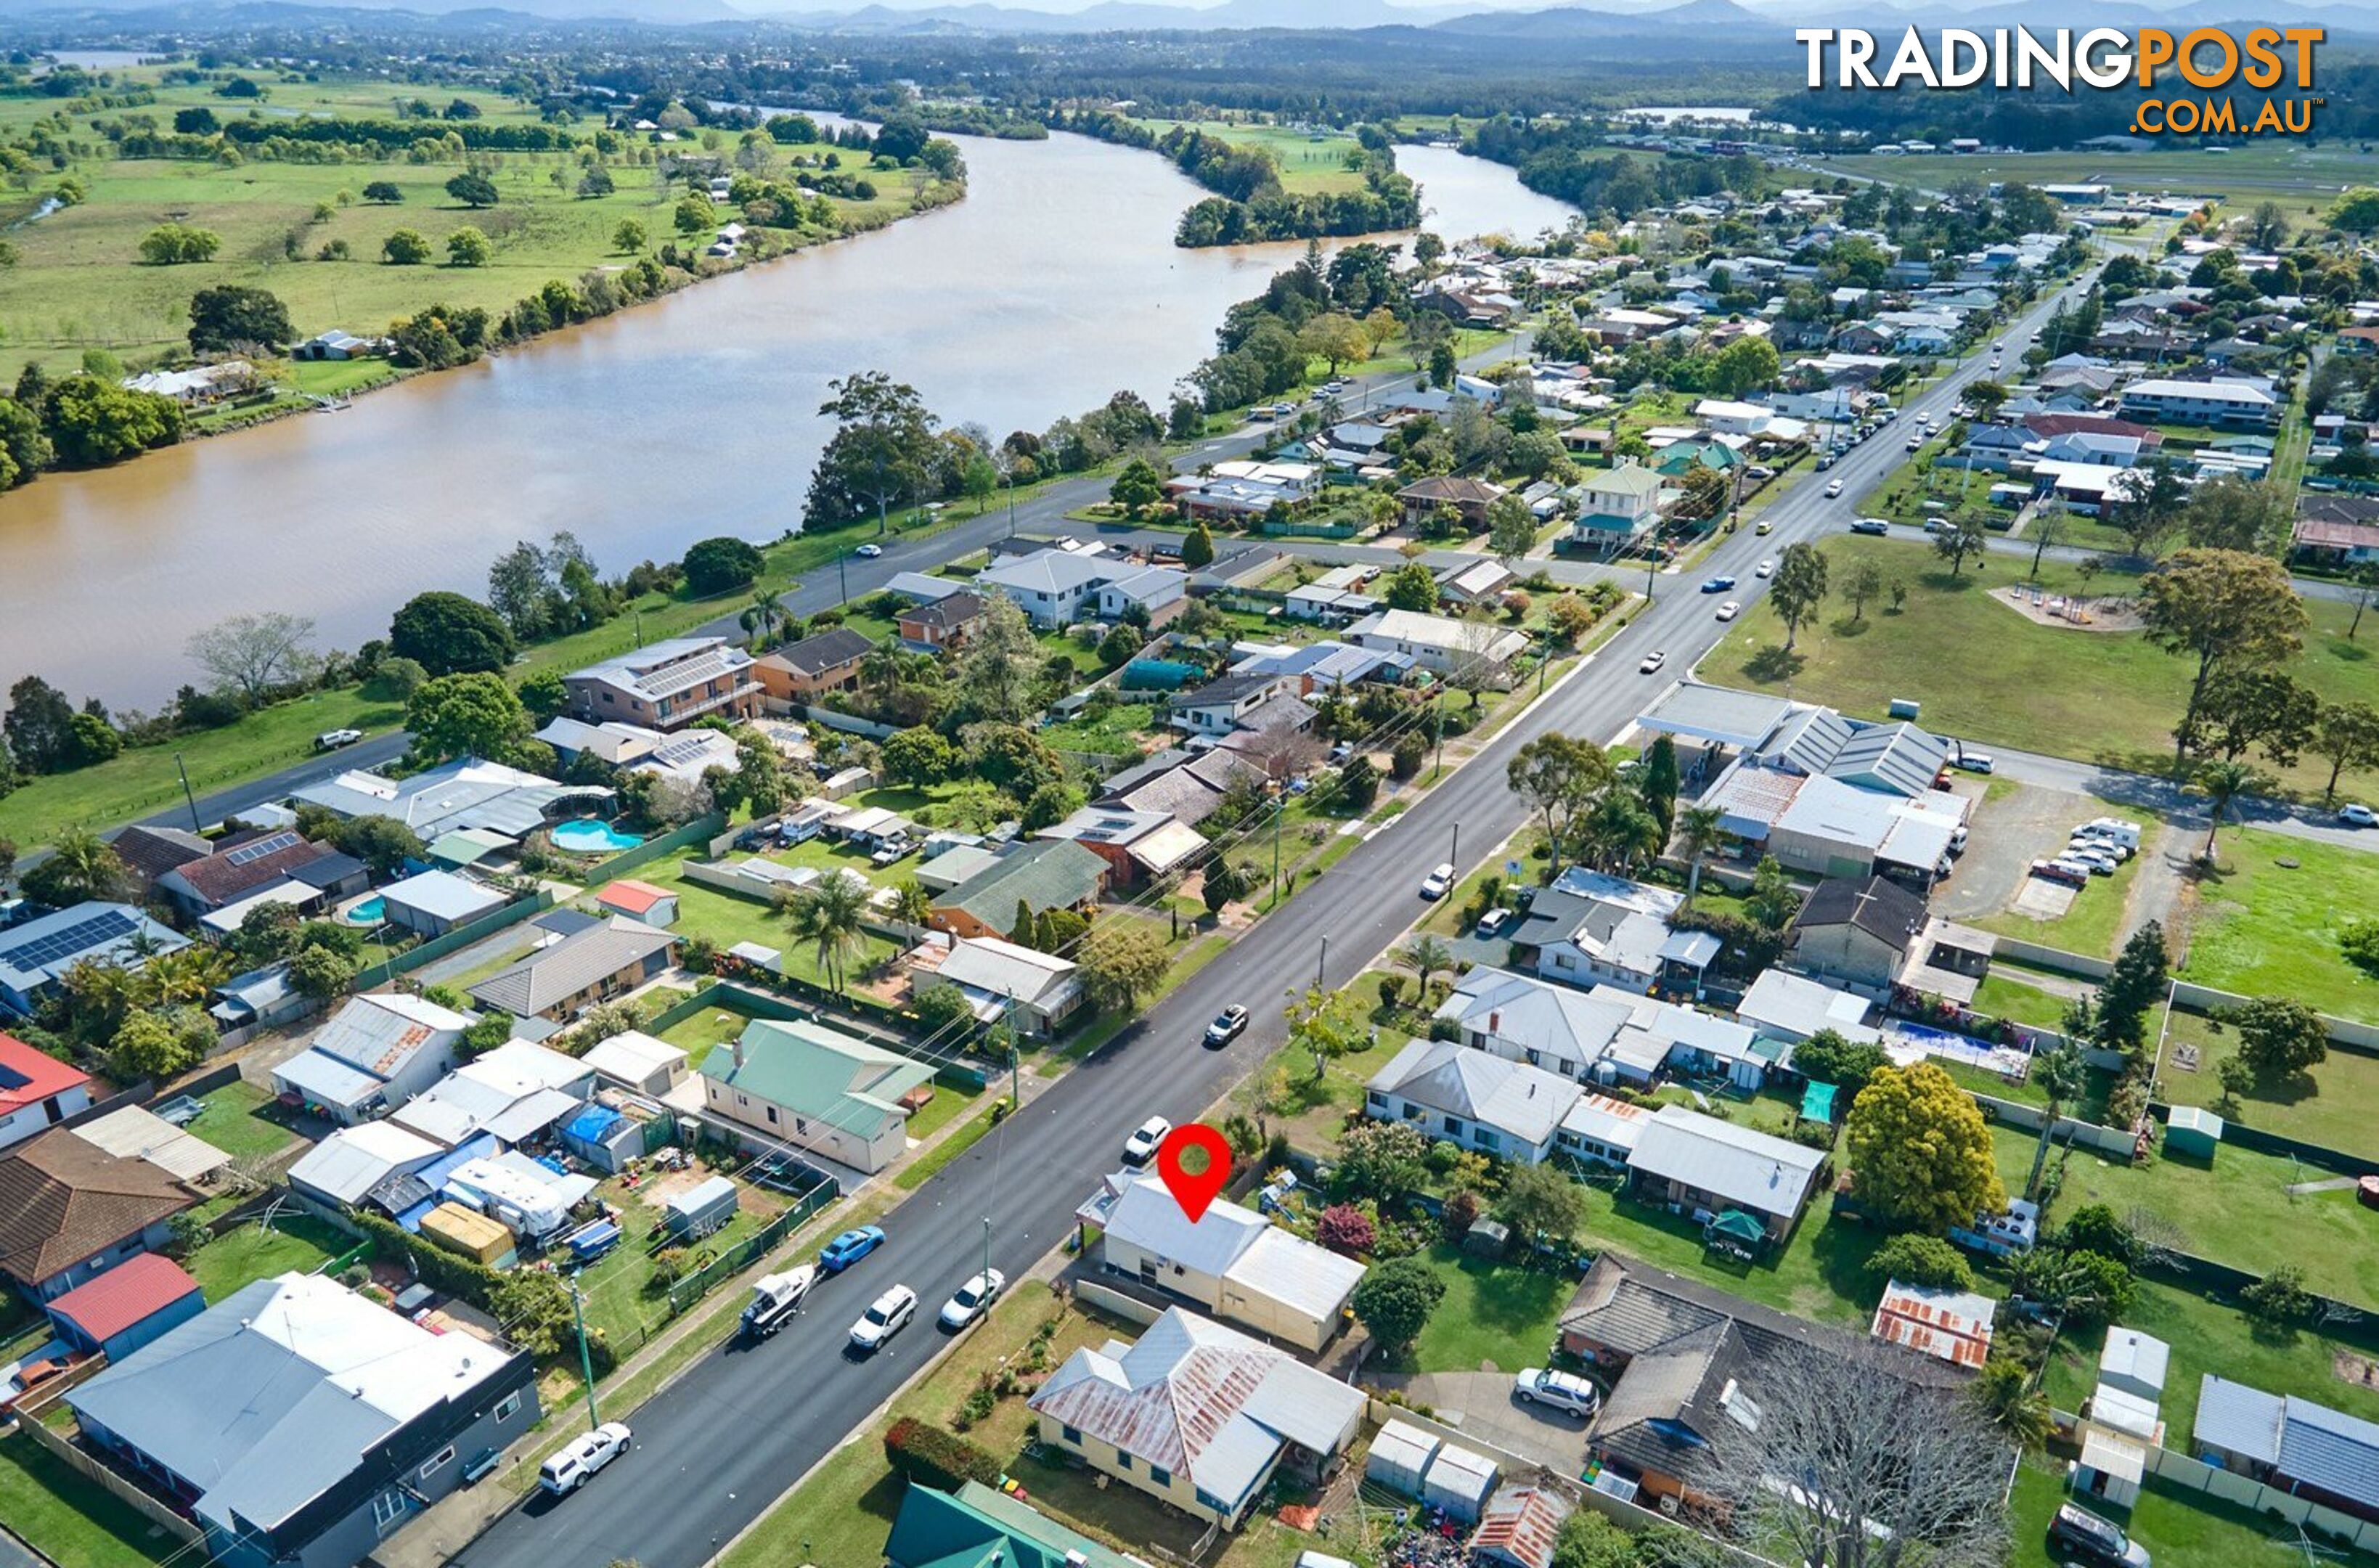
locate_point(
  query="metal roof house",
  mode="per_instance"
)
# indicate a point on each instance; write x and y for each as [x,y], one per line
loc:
[1196,1414]
[817,1089]
[126,1306]
[977,1527]
[465,793]
[1232,1261]
[299,1424]
[34,953]
[37,1091]
[1687,1161]
[2318,1453]
[1456,1094]
[375,1053]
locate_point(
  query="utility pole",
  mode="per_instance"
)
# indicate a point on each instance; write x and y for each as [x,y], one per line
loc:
[1455,854]
[1321,963]
[640,627]
[188,799]
[585,1362]
[986,1251]
[1279,810]
[842,577]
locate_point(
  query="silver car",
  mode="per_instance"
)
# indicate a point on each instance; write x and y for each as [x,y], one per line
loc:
[1563,1391]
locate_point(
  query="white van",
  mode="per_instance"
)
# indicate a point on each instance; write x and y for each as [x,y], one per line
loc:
[2127,834]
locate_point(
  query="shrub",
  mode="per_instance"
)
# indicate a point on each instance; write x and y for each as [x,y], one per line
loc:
[1924,1260]
[1346,1229]
[939,1459]
[1460,1213]
[2279,1300]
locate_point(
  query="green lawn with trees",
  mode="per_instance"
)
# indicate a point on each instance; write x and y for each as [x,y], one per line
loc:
[2108,697]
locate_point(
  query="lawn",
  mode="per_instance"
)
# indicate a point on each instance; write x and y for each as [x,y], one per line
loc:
[2236,1211]
[1308,161]
[2206,1337]
[2331,1105]
[1494,1317]
[2098,696]
[623,1298]
[2180,1528]
[79,283]
[239,1119]
[2093,924]
[2003,994]
[724,919]
[261,1250]
[72,1522]
[1122,731]
[2298,176]
[696,1036]
[2268,923]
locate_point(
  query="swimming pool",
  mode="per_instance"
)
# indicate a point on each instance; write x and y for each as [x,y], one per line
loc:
[592,837]
[372,912]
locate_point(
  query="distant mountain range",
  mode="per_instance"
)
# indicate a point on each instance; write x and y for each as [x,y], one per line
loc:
[1520,20]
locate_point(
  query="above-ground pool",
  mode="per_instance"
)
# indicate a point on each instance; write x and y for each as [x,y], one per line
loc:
[592,837]
[372,912]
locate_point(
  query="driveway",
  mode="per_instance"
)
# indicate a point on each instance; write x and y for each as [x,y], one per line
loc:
[2024,824]
[1481,1402]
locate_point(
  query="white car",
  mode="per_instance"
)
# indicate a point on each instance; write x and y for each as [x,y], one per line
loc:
[1973,762]
[1563,1391]
[890,1312]
[868,553]
[1765,569]
[1652,661]
[577,1464]
[332,739]
[973,1299]
[2357,816]
[1141,1146]
[1833,489]
[1729,610]
[1438,882]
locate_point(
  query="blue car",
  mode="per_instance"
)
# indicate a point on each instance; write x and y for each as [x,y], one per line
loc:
[1718,585]
[849,1247]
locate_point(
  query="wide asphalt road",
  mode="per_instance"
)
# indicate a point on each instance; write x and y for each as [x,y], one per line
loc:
[718,1447]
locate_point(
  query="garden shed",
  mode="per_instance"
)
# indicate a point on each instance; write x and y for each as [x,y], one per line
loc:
[1400,1457]
[1459,1482]
[2193,1131]
[700,1210]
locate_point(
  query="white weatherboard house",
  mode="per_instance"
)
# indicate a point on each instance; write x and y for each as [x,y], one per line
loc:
[1458,1094]
[1196,1414]
[1232,1262]
[1707,1168]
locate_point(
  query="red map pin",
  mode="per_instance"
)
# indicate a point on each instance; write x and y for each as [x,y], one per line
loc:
[1194,1190]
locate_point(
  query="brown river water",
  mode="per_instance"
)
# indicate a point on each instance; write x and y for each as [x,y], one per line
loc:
[1053,283]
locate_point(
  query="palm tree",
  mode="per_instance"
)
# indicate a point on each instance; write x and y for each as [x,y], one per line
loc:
[1697,834]
[1428,954]
[1618,831]
[912,902]
[763,616]
[828,916]
[80,866]
[2058,1074]
[2222,782]
[880,672]
[2006,1394]
[186,975]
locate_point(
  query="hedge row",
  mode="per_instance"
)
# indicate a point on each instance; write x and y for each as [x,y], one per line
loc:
[939,1459]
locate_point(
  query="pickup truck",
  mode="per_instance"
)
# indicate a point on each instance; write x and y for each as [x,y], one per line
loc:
[775,1301]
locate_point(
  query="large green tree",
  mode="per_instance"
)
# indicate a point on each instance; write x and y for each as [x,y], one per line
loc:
[1798,589]
[472,714]
[880,453]
[1395,1301]
[2221,608]
[229,317]
[1921,1151]
[447,634]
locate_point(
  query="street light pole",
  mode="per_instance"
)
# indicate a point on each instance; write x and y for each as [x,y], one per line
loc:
[986,1251]
[188,799]
[1321,963]
[1455,855]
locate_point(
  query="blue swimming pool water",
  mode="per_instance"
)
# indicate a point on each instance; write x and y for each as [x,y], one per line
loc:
[372,912]
[592,839]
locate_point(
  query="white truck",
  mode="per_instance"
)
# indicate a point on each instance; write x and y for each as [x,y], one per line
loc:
[775,1301]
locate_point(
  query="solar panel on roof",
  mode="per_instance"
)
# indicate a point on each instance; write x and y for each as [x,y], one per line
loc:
[84,935]
[271,844]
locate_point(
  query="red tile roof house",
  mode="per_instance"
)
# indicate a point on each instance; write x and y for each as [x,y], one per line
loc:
[36,1091]
[640,901]
[126,1306]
